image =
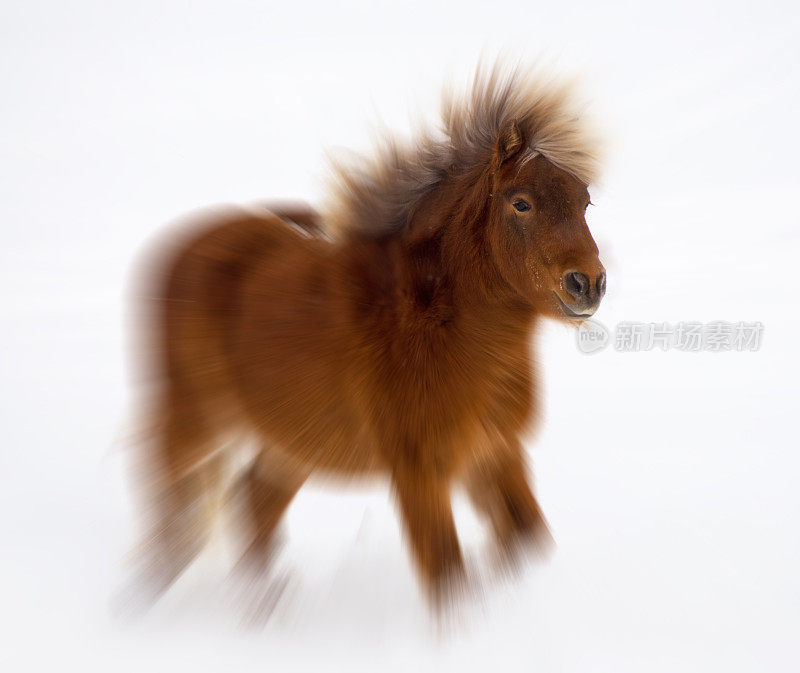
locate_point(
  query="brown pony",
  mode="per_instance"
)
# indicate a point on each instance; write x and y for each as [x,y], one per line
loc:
[388,335]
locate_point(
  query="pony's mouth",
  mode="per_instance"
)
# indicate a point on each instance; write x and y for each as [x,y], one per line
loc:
[570,313]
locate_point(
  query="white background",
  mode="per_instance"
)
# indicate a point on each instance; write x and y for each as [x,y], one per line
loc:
[670,479]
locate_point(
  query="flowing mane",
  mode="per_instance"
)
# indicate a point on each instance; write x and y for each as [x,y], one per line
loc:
[377,195]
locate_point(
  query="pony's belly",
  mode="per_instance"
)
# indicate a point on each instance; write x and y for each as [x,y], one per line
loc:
[318,431]
[348,461]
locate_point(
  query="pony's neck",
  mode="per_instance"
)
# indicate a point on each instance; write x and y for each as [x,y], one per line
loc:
[447,259]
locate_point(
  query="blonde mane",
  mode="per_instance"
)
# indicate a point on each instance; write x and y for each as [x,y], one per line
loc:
[377,195]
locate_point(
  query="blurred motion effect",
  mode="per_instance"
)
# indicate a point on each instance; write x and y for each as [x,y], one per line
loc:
[388,335]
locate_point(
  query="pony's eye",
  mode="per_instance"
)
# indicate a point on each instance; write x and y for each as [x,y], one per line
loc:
[521,206]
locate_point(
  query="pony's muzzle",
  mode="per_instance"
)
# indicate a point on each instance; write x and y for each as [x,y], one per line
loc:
[585,290]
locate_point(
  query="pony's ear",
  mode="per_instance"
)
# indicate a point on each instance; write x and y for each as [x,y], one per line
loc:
[509,142]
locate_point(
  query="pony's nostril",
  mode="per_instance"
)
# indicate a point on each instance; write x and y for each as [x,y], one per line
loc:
[577,284]
[601,284]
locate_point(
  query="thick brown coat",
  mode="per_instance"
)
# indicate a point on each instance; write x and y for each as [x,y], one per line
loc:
[397,344]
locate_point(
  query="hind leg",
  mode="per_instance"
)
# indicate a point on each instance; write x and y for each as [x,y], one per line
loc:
[183,473]
[267,488]
[264,491]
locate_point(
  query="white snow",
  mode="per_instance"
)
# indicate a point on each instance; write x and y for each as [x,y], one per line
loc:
[669,478]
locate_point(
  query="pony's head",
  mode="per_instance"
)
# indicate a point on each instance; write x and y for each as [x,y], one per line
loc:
[537,232]
[507,176]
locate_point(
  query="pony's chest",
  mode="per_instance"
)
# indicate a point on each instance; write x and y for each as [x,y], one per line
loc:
[452,400]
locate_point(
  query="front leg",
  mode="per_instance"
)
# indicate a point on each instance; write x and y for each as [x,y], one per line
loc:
[424,500]
[499,489]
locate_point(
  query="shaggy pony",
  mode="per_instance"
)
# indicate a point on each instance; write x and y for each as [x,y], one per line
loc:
[390,335]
